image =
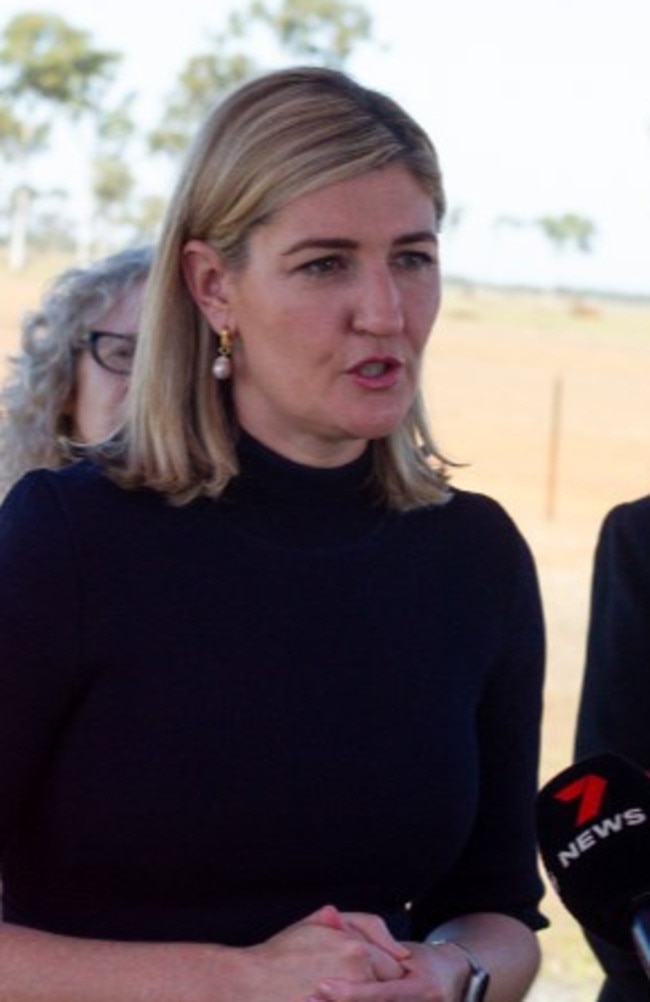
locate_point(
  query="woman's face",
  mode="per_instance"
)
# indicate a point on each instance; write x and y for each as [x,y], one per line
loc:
[98,402]
[331,314]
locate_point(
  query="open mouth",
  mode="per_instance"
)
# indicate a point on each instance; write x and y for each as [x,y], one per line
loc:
[376,367]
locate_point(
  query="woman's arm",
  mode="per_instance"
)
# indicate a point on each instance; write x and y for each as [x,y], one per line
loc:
[506,948]
[503,946]
[41,967]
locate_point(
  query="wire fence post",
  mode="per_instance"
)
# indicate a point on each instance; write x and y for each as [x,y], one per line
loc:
[555,436]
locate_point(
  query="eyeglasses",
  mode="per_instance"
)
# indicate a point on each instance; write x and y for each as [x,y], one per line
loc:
[114,352]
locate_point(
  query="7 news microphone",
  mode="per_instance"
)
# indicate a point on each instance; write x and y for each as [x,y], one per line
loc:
[593,822]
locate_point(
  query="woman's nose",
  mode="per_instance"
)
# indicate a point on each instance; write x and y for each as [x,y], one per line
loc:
[378,305]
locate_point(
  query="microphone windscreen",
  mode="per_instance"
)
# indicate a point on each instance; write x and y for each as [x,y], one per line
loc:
[593,824]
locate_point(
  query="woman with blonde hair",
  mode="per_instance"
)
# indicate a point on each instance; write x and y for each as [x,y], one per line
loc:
[271,732]
[66,387]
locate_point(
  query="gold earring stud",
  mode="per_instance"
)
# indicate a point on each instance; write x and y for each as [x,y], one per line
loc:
[222,367]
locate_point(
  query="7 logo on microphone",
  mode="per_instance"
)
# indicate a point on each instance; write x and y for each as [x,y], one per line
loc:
[589,791]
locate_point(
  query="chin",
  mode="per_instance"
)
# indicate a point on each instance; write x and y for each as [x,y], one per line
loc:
[372,426]
[372,430]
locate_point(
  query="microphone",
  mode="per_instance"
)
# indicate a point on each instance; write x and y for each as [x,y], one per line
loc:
[593,822]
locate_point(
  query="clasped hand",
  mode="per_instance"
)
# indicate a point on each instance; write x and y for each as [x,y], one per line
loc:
[332,956]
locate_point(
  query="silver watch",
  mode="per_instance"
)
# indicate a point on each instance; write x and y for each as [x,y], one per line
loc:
[479,979]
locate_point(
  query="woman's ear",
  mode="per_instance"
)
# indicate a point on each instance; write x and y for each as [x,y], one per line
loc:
[204,275]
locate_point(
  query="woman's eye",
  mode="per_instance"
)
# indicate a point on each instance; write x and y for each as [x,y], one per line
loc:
[123,352]
[415,260]
[324,265]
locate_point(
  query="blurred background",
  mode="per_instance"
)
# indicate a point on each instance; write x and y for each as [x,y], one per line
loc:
[538,374]
[540,112]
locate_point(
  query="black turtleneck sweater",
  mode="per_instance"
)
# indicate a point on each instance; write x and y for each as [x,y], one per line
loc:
[215,718]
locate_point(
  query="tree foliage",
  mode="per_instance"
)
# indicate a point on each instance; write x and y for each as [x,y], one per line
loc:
[52,74]
[19,138]
[48,70]
[44,60]
[113,178]
[203,79]
[569,229]
[317,31]
[326,31]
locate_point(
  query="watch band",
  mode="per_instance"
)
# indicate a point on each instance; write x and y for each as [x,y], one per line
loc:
[479,979]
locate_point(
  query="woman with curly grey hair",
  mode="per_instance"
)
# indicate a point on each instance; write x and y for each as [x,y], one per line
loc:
[66,388]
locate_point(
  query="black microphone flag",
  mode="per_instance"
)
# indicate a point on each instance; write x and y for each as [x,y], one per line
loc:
[593,822]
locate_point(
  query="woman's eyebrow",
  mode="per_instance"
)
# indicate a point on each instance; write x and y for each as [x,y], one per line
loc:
[419,236]
[324,243]
[344,243]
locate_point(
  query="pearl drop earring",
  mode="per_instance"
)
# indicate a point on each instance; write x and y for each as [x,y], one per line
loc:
[222,367]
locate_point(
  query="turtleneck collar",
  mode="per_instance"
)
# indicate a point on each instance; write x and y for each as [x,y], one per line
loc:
[297,481]
[302,505]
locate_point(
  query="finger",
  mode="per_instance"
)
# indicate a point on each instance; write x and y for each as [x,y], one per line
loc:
[375,930]
[335,990]
[401,989]
[328,916]
[385,967]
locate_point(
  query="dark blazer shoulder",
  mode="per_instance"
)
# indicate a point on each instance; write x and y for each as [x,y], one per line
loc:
[629,517]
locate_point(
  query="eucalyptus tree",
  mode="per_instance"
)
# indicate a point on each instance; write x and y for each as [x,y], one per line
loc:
[49,72]
[113,182]
[202,79]
[17,144]
[569,231]
[324,32]
[564,232]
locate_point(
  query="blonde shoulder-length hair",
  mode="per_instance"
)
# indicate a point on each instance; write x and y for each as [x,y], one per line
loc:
[272,140]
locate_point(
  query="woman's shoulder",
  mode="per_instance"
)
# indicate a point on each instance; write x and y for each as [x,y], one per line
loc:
[468,508]
[474,522]
[83,487]
[476,501]
[75,479]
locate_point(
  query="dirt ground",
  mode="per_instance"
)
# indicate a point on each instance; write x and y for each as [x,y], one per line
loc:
[547,403]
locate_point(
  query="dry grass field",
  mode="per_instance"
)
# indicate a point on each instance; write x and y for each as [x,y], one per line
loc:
[547,403]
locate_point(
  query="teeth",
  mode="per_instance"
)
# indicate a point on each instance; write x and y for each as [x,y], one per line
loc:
[372,369]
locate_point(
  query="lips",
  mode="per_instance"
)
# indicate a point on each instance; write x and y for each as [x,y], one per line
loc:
[374,368]
[377,373]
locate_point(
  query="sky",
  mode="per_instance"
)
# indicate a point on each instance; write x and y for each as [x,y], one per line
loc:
[537,108]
